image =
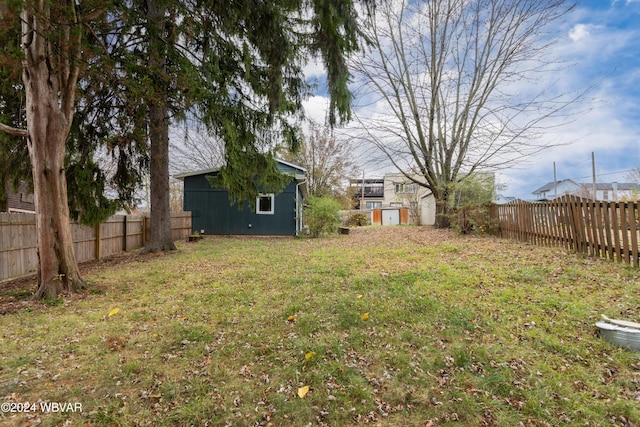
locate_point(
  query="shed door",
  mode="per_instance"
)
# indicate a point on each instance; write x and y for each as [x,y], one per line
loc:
[376,217]
[390,217]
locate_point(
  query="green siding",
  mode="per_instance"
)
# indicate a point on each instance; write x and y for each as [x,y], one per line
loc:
[212,212]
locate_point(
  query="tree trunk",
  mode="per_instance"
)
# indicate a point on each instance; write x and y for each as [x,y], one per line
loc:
[49,106]
[57,266]
[442,215]
[160,237]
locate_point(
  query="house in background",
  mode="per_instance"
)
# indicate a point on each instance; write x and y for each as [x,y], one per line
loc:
[613,191]
[20,201]
[616,191]
[393,192]
[396,191]
[274,214]
[399,191]
[503,200]
[562,187]
[368,196]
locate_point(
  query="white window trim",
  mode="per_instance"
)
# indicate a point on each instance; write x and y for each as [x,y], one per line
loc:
[273,201]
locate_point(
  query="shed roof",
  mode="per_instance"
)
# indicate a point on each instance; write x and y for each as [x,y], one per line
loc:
[181,176]
[300,178]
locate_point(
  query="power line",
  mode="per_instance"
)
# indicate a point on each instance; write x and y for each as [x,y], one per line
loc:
[603,174]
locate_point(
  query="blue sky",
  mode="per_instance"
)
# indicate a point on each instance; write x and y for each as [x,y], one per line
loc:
[601,39]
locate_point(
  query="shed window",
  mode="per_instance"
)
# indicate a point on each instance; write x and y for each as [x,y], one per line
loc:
[265,204]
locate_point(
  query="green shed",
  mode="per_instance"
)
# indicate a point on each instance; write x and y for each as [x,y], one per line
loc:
[274,214]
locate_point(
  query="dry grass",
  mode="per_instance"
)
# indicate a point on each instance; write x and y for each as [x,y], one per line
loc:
[459,331]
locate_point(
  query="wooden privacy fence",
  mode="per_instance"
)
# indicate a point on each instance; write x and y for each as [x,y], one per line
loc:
[120,233]
[598,228]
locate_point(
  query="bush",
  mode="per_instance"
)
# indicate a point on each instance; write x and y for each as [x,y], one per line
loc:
[356,219]
[470,206]
[474,219]
[321,214]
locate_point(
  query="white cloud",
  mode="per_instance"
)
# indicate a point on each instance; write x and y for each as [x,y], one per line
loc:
[316,107]
[602,46]
[314,69]
[613,141]
[579,32]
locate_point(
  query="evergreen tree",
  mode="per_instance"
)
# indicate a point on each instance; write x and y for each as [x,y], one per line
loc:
[14,158]
[49,46]
[136,66]
[237,68]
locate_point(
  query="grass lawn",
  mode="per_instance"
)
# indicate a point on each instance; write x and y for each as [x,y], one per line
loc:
[399,326]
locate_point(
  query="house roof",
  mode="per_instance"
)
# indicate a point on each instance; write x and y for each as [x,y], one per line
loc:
[20,200]
[549,186]
[622,186]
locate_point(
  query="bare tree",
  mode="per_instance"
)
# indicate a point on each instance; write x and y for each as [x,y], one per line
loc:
[634,175]
[176,196]
[329,163]
[453,79]
[196,150]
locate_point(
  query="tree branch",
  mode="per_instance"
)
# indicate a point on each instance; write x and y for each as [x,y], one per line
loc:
[22,133]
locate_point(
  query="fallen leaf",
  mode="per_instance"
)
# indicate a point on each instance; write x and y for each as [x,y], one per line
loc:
[292,317]
[113,311]
[359,296]
[364,316]
[116,343]
[309,355]
[302,391]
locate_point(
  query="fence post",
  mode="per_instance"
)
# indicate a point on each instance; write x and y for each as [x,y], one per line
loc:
[634,223]
[573,230]
[624,226]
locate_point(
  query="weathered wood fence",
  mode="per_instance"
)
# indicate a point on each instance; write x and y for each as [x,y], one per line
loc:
[119,233]
[598,228]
